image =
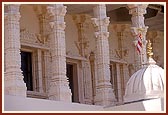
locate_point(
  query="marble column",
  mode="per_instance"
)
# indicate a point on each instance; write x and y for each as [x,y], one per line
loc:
[138,27]
[59,86]
[119,88]
[104,92]
[40,76]
[14,84]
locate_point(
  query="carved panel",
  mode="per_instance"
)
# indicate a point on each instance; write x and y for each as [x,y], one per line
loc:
[33,38]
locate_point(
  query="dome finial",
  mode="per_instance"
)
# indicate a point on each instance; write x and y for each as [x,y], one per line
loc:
[150,53]
[149,49]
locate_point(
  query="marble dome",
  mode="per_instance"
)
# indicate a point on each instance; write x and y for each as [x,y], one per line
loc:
[146,83]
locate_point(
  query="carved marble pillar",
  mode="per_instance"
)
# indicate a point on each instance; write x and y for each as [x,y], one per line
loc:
[93,79]
[59,85]
[47,69]
[14,84]
[40,76]
[138,27]
[104,91]
[126,74]
[119,83]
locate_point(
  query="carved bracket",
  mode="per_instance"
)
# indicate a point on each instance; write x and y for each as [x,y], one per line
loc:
[97,23]
[53,11]
[60,26]
[137,9]
[102,34]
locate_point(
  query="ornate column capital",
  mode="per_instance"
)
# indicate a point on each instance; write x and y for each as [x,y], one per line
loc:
[103,22]
[56,13]
[56,10]
[102,34]
[137,9]
[12,12]
[12,8]
[55,25]
[135,30]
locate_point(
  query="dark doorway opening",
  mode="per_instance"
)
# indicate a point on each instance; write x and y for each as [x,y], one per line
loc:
[73,82]
[26,67]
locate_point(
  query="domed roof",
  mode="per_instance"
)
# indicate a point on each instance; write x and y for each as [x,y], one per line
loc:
[146,83]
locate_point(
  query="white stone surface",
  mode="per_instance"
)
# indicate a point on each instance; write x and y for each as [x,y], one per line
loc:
[16,103]
[146,83]
[33,27]
[24,105]
[153,106]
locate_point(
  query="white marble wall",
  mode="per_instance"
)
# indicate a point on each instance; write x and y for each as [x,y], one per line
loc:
[30,28]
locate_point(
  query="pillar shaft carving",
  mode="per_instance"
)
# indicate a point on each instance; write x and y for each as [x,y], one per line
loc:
[104,91]
[138,27]
[14,84]
[59,86]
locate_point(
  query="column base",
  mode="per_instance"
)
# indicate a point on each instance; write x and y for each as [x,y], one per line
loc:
[15,86]
[60,93]
[105,97]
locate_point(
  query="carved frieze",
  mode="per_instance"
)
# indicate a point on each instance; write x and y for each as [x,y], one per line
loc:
[33,38]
